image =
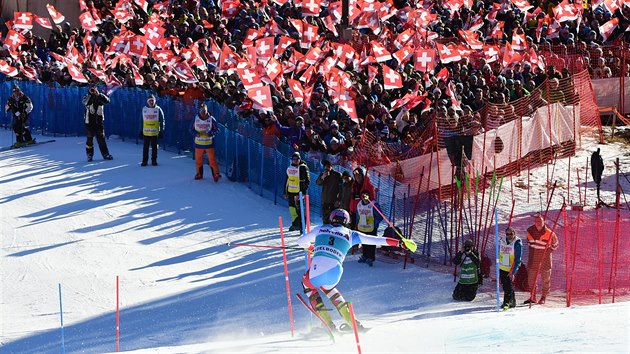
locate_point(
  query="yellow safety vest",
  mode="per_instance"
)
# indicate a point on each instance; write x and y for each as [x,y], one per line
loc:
[366,217]
[150,121]
[203,127]
[506,254]
[293,182]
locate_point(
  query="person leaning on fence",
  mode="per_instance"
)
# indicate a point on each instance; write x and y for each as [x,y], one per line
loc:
[94,102]
[510,250]
[330,181]
[20,105]
[298,179]
[468,259]
[542,242]
[204,127]
[152,130]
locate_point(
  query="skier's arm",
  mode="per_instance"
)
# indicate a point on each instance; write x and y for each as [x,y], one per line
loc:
[307,239]
[361,238]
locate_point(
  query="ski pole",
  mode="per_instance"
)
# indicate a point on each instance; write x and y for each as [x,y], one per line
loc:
[262,246]
[408,243]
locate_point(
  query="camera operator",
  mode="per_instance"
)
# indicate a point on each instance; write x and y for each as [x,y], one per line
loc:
[469,278]
[21,106]
[94,123]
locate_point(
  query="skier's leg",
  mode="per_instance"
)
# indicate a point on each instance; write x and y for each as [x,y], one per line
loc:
[339,302]
[315,299]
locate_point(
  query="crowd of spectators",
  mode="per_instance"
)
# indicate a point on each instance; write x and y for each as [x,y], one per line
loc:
[321,127]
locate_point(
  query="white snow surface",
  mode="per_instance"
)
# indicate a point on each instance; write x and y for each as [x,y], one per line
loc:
[184,290]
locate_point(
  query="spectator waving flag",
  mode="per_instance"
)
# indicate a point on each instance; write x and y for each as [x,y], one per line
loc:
[471,39]
[261,98]
[379,52]
[566,12]
[23,20]
[296,89]
[185,73]
[491,53]
[56,16]
[518,40]
[391,79]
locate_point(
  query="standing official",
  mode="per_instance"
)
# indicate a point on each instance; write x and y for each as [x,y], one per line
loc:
[21,106]
[152,130]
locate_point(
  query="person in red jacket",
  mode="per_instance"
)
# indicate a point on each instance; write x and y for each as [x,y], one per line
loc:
[542,241]
[360,184]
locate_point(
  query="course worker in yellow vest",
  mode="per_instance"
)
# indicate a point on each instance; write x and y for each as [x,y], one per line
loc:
[368,220]
[204,127]
[152,130]
[298,179]
[510,250]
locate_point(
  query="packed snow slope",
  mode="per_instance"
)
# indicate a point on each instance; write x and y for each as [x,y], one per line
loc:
[76,225]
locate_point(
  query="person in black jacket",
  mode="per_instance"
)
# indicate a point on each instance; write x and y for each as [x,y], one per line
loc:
[94,123]
[597,169]
[21,106]
[298,179]
[466,288]
[330,181]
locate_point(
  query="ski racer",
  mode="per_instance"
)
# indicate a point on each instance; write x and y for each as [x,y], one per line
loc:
[331,244]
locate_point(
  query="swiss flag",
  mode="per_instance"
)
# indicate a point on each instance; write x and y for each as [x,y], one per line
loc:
[403,38]
[273,68]
[142,4]
[379,52]
[87,22]
[535,60]
[309,35]
[261,98]
[522,5]
[349,107]
[448,53]
[153,32]
[112,84]
[372,72]
[56,16]
[30,73]
[75,73]
[471,38]
[249,78]
[296,88]
[185,73]
[497,31]
[327,65]
[311,7]
[510,56]
[611,5]
[391,79]
[518,40]
[138,47]
[553,31]
[42,21]
[23,20]
[98,58]
[403,55]
[82,5]
[265,47]
[425,60]
[137,78]
[313,56]
[14,39]
[122,16]
[283,44]
[163,56]
[230,8]
[607,28]
[100,74]
[566,12]
[7,69]
[491,53]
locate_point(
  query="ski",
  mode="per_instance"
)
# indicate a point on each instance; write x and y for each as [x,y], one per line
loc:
[308,307]
[13,147]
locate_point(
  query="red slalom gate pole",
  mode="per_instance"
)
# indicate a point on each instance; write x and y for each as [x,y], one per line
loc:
[286,274]
[354,326]
[117,315]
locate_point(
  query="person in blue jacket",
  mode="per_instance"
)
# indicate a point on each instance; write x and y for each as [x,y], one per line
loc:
[510,250]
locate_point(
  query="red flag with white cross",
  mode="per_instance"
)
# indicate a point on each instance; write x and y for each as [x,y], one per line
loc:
[391,79]
[349,107]
[42,21]
[75,73]
[264,48]
[311,7]
[261,98]
[23,20]
[425,60]
[87,22]
[379,52]
[296,88]
[14,39]
[56,16]
[249,78]
[7,69]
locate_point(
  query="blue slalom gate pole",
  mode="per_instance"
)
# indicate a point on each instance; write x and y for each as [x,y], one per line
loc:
[496,250]
[63,346]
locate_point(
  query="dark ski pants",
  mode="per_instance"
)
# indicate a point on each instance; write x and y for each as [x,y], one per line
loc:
[95,130]
[153,142]
[465,292]
[369,251]
[509,298]
[22,134]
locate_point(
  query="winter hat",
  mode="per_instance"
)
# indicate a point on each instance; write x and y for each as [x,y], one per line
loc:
[151,97]
[296,155]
